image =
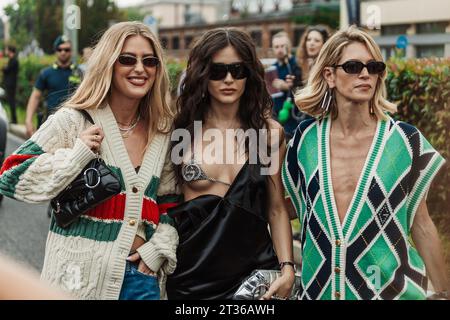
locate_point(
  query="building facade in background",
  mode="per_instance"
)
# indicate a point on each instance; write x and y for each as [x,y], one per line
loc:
[177,13]
[425,23]
[182,21]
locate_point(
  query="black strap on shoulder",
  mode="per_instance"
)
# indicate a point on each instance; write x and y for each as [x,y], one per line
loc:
[87,116]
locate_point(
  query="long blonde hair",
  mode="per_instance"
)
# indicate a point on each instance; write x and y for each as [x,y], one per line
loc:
[309,99]
[95,88]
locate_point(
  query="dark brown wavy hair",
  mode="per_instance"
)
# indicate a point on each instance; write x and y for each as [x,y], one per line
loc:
[255,105]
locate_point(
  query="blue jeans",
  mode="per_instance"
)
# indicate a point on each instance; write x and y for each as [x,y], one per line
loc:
[137,285]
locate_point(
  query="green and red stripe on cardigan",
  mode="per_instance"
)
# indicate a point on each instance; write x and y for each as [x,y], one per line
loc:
[154,209]
[15,165]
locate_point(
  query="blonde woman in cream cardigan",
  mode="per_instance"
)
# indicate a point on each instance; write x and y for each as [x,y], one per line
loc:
[125,247]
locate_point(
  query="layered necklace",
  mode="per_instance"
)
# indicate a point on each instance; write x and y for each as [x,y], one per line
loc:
[125,132]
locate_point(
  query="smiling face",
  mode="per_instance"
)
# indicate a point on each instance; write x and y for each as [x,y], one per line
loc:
[360,87]
[134,81]
[228,90]
[314,42]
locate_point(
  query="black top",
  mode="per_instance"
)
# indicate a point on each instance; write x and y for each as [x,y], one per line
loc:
[222,239]
[10,72]
[55,80]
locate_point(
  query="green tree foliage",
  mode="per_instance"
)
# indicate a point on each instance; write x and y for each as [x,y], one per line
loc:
[49,15]
[96,17]
[22,20]
[317,14]
[43,20]
[133,14]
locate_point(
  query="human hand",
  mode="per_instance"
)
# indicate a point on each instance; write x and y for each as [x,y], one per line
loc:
[92,137]
[290,81]
[284,85]
[29,127]
[142,267]
[278,84]
[281,288]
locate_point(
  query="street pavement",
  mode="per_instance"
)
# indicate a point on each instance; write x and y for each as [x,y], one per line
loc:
[23,227]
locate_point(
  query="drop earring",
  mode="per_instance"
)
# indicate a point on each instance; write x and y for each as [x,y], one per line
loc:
[326,101]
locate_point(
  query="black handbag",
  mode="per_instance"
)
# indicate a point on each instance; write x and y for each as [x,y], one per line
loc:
[95,184]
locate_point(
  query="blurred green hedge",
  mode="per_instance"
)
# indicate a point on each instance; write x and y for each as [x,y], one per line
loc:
[421,89]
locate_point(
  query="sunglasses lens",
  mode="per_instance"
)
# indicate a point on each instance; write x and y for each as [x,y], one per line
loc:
[127,60]
[376,67]
[353,67]
[238,71]
[218,72]
[150,61]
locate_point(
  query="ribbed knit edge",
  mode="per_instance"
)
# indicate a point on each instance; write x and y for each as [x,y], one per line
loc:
[153,160]
[82,154]
[154,252]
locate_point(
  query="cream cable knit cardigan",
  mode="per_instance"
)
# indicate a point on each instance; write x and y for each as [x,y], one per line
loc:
[88,259]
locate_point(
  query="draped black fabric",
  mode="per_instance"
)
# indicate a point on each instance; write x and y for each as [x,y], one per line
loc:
[222,239]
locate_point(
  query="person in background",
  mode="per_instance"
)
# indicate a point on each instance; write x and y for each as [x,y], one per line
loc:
[289,77]
[87,52]
[309,47]
[58,81]
[10,72]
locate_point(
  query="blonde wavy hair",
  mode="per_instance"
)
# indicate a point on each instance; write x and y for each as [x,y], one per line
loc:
[95,88]
[309,99]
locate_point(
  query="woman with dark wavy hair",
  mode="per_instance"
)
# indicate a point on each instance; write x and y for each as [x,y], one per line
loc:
[223,223]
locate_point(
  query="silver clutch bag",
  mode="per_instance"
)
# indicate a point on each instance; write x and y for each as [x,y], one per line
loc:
[257,284]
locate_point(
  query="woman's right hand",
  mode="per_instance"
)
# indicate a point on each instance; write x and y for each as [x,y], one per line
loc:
[92,137]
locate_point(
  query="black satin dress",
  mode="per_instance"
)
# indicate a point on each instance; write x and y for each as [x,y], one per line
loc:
[222,239]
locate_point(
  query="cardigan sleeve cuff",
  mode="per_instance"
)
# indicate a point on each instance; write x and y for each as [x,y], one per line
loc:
[82,154]
[152,258]
[160,250]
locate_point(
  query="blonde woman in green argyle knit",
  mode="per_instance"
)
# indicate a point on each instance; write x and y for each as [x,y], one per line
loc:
[358,181]
[125,247]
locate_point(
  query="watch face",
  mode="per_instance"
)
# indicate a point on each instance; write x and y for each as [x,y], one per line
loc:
[191,172]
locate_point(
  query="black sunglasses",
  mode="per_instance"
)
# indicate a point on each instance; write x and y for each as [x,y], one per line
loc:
[127,60]
[355,67]
[64,49]
[219,71]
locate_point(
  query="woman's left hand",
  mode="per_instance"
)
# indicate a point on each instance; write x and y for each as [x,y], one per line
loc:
[142,267]
[281,287]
